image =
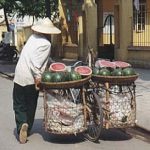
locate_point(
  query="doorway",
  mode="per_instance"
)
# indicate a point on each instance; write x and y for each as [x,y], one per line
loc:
[106,48]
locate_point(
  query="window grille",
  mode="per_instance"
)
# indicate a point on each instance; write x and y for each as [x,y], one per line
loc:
[139,18]
[141,25]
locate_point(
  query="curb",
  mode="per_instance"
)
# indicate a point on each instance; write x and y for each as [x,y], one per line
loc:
[143,129]
[7,75]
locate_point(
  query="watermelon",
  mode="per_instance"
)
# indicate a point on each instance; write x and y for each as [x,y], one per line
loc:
[121,64]
[128,71]
[95,71]
[63,76]
[57,67]
[47,76]
[83,70]
[104,63]
[117,72]
[71,76]
[104,72]
[57,77]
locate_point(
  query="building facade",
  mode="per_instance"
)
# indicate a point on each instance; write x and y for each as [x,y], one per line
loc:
[114,29]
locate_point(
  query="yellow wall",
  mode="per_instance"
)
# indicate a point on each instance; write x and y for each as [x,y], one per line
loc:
[123,50]
[138,56]
[141,38]
[86,33]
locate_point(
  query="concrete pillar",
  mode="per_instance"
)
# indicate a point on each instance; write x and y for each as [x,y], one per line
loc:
[100,22]
[80,36]
[124,11]
[90,9]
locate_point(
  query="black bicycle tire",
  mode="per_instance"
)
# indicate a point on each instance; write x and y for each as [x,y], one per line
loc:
[15,55]
[98,128]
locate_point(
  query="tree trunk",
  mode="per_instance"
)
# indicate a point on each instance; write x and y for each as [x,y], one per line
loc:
[6,20]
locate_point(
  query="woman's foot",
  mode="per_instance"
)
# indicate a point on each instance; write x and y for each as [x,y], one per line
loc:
[23,133]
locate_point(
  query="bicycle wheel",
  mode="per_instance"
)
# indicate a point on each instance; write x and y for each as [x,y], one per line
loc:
[94,117]
[15,54]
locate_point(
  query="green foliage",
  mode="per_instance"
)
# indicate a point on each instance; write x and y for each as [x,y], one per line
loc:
[36,8]
[9,5]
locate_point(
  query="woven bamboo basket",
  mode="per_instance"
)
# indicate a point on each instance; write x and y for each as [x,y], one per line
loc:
[119,109]
[67,84]
[119,112]
[63,115]
[121,80]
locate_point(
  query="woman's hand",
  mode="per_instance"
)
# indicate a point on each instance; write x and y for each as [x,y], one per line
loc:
[37,83]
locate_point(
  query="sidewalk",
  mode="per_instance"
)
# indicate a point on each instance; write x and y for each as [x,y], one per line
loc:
[143,98]
[142,92]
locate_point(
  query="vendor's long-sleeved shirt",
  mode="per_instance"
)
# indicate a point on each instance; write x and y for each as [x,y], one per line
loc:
[33,60]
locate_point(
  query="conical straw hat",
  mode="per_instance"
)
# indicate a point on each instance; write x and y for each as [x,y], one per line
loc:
[46,27]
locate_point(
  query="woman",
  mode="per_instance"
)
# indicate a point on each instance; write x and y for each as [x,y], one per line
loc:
[31,64]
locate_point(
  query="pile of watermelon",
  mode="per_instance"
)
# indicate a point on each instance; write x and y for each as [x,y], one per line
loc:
[115,68]
[58,72]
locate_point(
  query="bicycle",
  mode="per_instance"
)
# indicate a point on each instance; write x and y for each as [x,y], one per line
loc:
[80,98]
[99,110]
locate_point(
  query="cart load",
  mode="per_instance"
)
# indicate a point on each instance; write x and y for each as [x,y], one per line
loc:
[58,72]
[82,99]
[64,111]
[116,72]
[57,67]
[116,68]
[116,83]
[83,70]
[111,64]
[62,115]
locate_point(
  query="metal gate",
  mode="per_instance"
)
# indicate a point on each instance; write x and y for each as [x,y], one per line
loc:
[106,51]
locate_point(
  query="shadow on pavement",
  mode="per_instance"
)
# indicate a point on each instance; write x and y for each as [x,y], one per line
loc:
[114,135]
[106,135]
[38,128]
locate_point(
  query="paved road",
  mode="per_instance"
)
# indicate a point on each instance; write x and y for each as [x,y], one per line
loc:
[142,93]
[143,98]
[110,140]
